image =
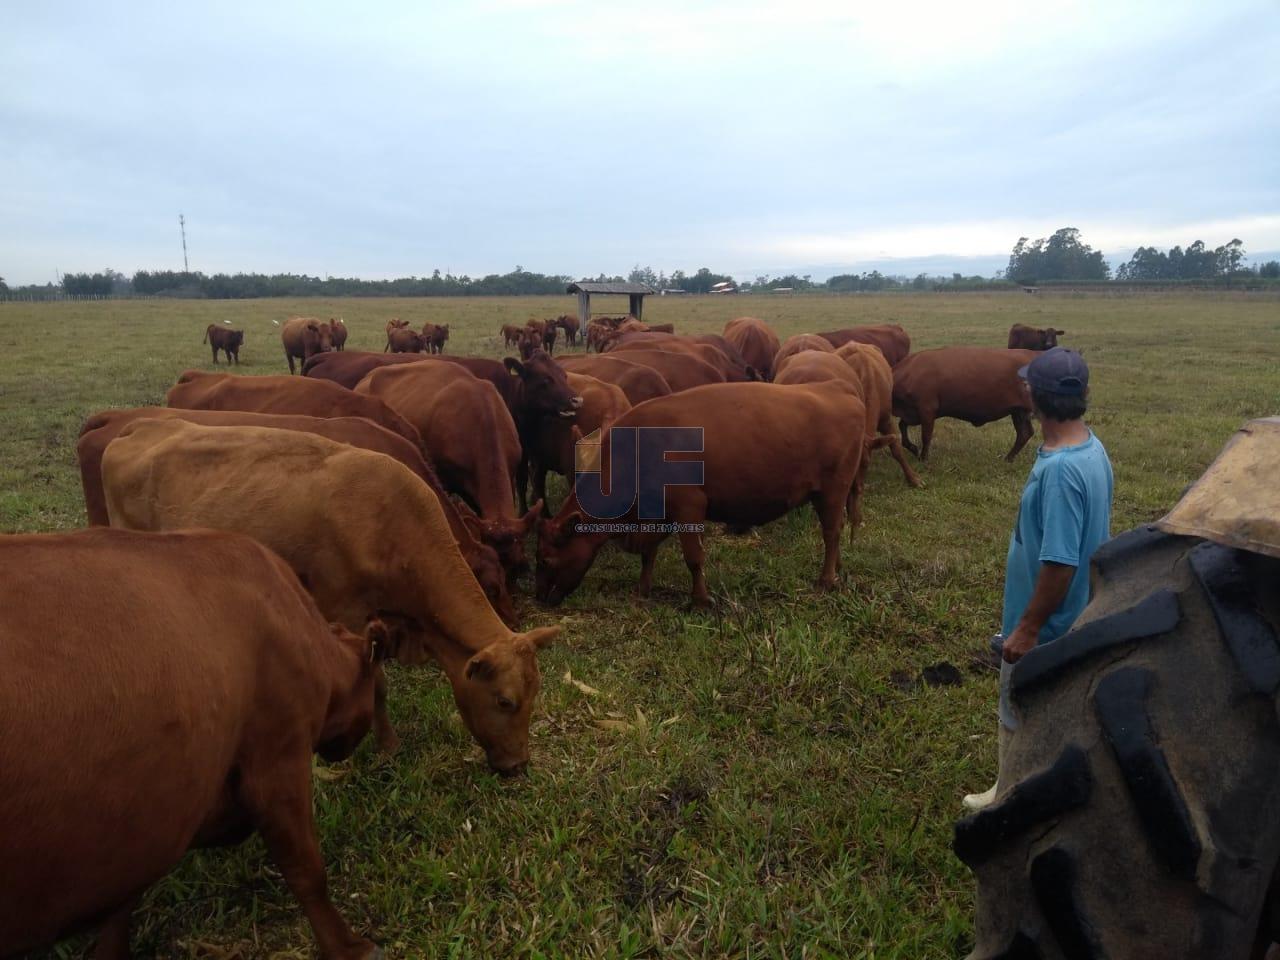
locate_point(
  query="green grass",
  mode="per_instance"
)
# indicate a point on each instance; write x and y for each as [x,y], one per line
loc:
[759,781]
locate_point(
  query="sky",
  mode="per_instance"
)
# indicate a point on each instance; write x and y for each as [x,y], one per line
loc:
[389,139]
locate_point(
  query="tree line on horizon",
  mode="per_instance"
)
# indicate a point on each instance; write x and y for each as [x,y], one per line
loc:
[1063,257]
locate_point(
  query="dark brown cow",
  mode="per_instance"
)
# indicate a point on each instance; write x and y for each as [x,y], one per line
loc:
[395,323]
[766,450]
[1023,337]
[510,334]
[303,337]
[224,339]
[755,341]
[472,441]
[602,403]
[338,333]
[434,336]
[402,340]
[198,390]
[638,382]
[101,428]
[205,678]
[348,369]
[975,384]
[681,371]
[797,344]
[365,558]
[570,325]
[892,340]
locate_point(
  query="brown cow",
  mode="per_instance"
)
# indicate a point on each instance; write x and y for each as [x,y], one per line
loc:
[798,343]
[510,334]
[755,341]
[803,444]
[873,370]
[303,337]
[388,550]
[714,349]
[469,433]
[395,323]
[570,325]
[638,382]
[892,340]
[681,371]
[531,339]
[204,679]
[348,369]
[549,337]
[101,428]
[338,333]
[402,340]
[1023,337]
[602,403]
[434,336]
[224,339]
[198,390]
[976,384]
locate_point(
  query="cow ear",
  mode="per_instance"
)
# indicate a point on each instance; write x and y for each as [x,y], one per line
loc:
[541,636]
[378,639]
[480,667]
[514,366]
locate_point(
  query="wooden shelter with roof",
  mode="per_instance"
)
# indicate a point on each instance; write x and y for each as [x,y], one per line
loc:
[636,292]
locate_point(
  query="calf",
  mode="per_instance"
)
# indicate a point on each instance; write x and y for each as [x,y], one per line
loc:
[638,382]
[395,323]
[204,679]
[804,444]
[755,341]
[510,334]
[303,337]
[470,436]
[338,333]
[799,343]
[388,551]
[1023,337]
[975,384]
[892,340]
[404,340]
[197,390]
[434,336]
[101,428]
[228,341]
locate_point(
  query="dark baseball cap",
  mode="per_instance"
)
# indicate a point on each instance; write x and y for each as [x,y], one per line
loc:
[1057,371]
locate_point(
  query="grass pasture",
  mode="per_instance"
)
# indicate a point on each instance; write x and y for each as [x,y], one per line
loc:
[771,779]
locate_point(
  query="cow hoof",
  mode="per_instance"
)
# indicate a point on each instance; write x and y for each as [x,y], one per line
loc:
[389,745]
[825,584]
[702,603]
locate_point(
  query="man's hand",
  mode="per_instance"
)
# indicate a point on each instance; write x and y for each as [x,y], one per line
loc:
[1018,644]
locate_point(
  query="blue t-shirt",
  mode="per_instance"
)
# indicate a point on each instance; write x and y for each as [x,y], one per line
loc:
[1065,515]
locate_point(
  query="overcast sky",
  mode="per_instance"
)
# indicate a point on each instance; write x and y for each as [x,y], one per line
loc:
[388,139]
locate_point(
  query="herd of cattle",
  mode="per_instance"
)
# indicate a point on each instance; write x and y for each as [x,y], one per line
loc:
[260,546]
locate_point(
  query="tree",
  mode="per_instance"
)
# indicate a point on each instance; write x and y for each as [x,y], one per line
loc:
[4,287]
[1270,270]
[1196,262]
[1063,256]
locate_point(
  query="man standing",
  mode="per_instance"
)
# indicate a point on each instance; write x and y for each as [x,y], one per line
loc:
[1064,516]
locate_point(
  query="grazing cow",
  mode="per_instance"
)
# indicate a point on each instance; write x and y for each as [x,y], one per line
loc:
[1023,337]
[798,343]
[224,339]
[403,340]
[204,679]
[434,336]
[303,337]
[395,323]
[197,390]
[755,341]
[680,370]
[472,440]
[873,370]
[714,349]
[602,403]
[510,334]
[892,340]
[766,450]
[388,550]
[101,428]
[348,369]
[638,382]
[338,333]
[976,384]
[570,325]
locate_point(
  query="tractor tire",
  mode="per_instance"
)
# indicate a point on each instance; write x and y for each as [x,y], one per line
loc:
[1138,809]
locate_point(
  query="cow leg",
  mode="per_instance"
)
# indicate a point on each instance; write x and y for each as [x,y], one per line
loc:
[384,734]
[113,935]
[830,507]
[895,451]
[279,799]
[853,500]
[237,356]
[906,438]
[522,481]
[1024,432]
[289,356]
[926,436]
[695,559]
[215,356]
[648,557]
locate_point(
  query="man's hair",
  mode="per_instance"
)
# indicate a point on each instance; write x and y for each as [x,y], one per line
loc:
[1059,406]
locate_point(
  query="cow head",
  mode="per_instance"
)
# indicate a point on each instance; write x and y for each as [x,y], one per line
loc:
[495,696]
[235,338]
[1051,337]
[395,323]
[546,389]
[351,700]
[564,556]
[507,538]
[316,338]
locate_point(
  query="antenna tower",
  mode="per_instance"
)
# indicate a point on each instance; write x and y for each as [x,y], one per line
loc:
[182,225]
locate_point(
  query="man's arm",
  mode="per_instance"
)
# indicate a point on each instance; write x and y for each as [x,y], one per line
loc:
[1051,589]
